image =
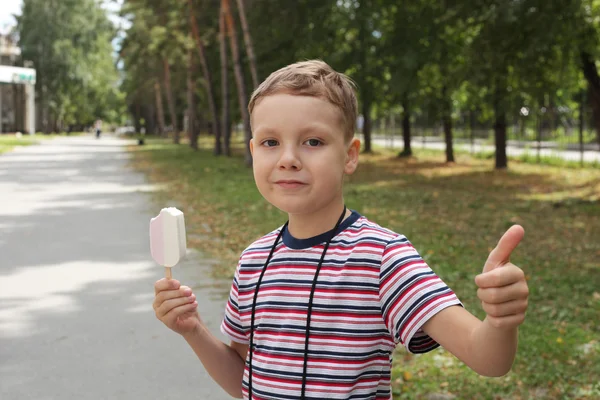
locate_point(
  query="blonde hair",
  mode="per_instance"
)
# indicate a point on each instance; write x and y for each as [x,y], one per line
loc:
[313,78]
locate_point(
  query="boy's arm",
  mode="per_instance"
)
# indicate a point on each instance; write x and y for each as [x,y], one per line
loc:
[224,363]
[488,347]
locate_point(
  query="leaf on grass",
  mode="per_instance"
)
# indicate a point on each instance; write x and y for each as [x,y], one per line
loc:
[407,375]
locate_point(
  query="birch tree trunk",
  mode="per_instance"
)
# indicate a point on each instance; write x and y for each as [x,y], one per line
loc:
[207,76]
[248,42]
[191,111]
[239,78]
[170,100]
[225,122]
[159,109]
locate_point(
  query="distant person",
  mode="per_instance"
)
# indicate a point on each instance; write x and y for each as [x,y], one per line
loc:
[98,126]
[318,305]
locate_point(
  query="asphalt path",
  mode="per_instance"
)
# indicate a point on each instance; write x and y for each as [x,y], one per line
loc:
[515,150]
[76,281]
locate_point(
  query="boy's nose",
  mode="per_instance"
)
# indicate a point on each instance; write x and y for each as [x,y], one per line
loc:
[289,159]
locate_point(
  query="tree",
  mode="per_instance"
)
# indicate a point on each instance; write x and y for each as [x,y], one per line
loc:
[248,42]
[225,116]
[239,79]
[191,109]
[69,44]
[208,80]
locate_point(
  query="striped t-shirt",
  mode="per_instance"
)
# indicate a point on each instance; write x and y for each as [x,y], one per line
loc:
[373,292]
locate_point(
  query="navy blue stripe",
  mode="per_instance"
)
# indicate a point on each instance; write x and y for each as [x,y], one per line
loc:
[319,377]
[302,306]
[334,355]
[398,263]
[407,284]
[418,303]
[279,396]
[316,329]
[243,289]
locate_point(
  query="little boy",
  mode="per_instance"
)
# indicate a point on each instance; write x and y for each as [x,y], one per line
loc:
[317,306]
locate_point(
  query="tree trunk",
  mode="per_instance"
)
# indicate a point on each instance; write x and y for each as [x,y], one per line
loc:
[500,139]
[225,122]
[45,110]
[207,76]
[407,151]
[159,109]
[239,79]
[170,100]
[447,122]
[366,110]
[136,117]
[472,129]
[191,111]
[591,75]
[248,42]
[581,123]
[149,113]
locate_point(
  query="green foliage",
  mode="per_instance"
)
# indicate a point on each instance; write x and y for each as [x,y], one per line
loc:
[69,43]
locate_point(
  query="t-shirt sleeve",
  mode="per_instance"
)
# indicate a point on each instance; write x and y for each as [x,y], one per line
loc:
[232,325]
[410,294]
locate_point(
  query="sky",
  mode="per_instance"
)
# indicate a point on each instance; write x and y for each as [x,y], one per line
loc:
[10,7]
[7,8]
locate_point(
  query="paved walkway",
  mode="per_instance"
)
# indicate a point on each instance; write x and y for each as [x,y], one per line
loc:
[76,277]
[514,149]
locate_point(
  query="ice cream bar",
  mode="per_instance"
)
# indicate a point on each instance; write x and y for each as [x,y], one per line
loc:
[167,238]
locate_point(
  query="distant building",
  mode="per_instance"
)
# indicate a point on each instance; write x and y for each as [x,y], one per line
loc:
[13,93]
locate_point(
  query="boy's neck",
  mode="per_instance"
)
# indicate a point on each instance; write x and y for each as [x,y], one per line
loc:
[304,226]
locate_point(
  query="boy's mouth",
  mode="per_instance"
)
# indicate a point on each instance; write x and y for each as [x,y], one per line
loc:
[289,183]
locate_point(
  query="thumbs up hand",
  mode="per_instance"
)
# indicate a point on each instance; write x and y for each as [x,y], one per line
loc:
[503,290]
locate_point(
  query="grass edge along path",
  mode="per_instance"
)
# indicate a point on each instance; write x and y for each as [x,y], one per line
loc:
[454,215]
[9,141]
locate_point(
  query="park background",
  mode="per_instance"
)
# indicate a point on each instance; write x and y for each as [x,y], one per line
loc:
[471,78]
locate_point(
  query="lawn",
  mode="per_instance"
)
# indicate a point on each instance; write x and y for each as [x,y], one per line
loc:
[454,215]
[8,142]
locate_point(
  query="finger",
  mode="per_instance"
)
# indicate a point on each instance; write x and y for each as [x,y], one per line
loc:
[508,322]
[180,311]
[169,305]
[501,253]
[165,295]
[499,277]
[503,294]
[166,284]
[513,307]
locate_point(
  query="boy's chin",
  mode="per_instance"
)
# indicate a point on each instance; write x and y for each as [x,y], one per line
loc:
[290,208]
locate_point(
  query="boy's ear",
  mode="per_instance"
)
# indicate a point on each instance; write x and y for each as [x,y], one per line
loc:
[252,146]
[352,156]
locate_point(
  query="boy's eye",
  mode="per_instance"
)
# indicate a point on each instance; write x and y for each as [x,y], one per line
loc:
[270,142]
[313,142]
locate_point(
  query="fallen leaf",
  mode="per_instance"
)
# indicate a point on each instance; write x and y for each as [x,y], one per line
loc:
[407,375]
[559,340]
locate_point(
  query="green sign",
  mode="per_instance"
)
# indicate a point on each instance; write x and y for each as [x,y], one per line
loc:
[10,74]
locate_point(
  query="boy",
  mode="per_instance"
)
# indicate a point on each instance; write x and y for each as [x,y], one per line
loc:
[328,306]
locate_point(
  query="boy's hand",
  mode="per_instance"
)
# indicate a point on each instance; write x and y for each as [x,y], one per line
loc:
[503,290]
[175,306]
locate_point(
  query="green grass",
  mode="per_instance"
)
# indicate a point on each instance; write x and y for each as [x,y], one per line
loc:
[10,141]
[454,215]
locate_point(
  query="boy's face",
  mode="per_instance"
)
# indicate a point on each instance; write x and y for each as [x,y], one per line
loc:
[299,152]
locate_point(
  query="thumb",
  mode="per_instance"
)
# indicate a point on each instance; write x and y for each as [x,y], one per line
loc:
[508,242]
